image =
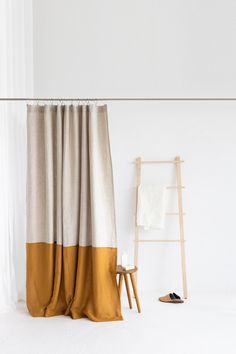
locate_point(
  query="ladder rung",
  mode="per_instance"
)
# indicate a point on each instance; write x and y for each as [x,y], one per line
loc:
[169,214]
[169,241]
[173,187]
[153,161]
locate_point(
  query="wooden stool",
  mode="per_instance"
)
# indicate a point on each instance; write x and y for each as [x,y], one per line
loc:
[123,273]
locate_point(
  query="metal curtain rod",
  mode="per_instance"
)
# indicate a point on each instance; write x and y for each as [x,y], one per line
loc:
[122,99]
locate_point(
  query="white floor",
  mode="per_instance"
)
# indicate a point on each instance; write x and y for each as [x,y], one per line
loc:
[200,326]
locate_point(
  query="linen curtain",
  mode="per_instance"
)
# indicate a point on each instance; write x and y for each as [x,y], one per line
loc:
[71,235]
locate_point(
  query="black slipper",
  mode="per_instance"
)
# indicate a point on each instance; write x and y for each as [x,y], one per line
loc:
[177,297]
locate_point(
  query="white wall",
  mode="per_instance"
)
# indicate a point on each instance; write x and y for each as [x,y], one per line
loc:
[156,48]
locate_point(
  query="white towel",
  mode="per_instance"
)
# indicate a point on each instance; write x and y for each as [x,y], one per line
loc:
[151,206]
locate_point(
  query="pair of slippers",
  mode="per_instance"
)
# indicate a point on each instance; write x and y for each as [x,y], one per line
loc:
[171,298]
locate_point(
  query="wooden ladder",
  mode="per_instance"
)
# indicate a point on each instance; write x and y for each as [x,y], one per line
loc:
[181,240]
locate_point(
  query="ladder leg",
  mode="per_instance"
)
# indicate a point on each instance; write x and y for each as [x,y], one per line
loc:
[136,249]
[136,242]
[181,227]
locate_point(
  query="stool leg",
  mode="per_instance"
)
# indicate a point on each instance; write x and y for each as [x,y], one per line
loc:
[120,283]
[135,291]
[128,291]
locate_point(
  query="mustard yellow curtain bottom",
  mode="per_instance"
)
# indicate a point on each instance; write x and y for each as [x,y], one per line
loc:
[76,281]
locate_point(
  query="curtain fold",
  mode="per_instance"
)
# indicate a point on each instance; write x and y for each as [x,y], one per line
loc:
[71,234]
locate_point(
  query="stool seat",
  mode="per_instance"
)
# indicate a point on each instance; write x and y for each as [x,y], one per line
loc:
[123,273]
[122,270]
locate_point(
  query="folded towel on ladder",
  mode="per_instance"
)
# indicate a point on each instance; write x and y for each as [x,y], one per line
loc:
[151,206]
